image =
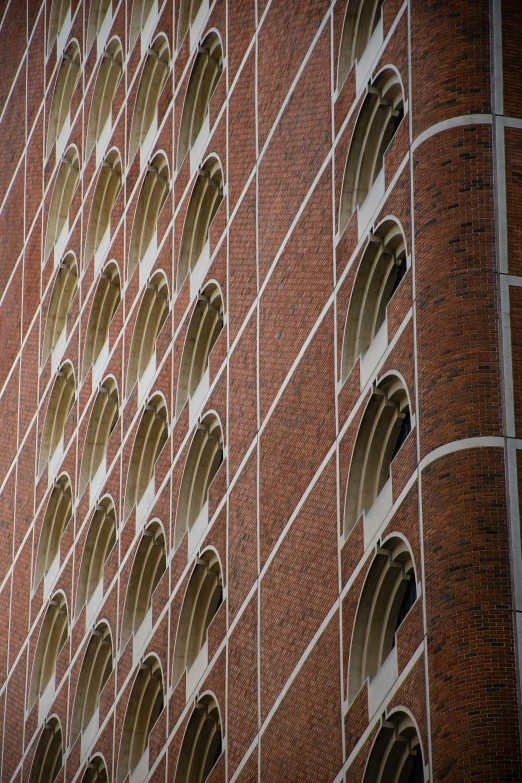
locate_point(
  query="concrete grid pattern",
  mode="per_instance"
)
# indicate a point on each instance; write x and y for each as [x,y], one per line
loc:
[284,574]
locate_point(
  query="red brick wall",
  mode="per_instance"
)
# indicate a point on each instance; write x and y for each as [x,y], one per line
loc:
[279,647]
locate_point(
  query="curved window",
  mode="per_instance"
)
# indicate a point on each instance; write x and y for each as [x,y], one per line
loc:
[384,427]
[104,90]
[152,197]
[57,516]
[151,437]
[62,296]
[96,771]
[48,757]
[97,14]
[396,754]
[382,268]
[67,80]
[153,311]
[106,300]
[140,13]
[204,458]
[60,403]
[143,710]
[188,10]
[101,423]
[98,545]
[206,197]
[202,743]
[360,22]
[64,189]
[388,594]
[378,120]
[145,115]
[104,197]
[53,634]
[202,600]
[203,80]
[95,671]
[148,567]
[204,329]
[59,10]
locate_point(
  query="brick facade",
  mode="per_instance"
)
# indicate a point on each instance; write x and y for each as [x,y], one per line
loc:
[294,575]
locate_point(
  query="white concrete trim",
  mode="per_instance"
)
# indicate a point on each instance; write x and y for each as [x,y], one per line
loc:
[498,65]
[511,122]
[512,280]
[336,375]
[499,163]
[514,515]
[507,355]
[489,441]
[415,391]
[258,412]
[453,122]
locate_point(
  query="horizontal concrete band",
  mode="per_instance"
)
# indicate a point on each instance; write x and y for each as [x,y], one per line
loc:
[453,122]
[490,441]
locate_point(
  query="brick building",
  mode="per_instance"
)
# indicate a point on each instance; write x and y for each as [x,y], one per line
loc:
[261,307]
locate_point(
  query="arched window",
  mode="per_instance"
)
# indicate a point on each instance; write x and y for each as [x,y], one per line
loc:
[104,90]
[382,268]
[202,743]
[62,296]
[140,13]
[396,754]
[204,458]
[95,671]
[96,771]
[53,634]
[143,710]
[388,594]
[202,83]
[106,300]
[378,120]
[145,115]
[103,419]
[151,437]
[360,22]
[105,193]
[98,545]
[206,197]
[204,329]
[385,426]
[59,10]
[188,10]
[48,757]
[67,80]
[202,600]
[60,403]
[153,311]
[64,189]
[57,516]
[97,14]
[148,567]
[152,197]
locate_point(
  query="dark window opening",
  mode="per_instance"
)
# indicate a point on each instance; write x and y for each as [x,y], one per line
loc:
[401,270]
[403,434]
[417,771]
[409,598]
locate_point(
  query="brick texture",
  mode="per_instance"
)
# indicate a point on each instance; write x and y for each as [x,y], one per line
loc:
[280,646]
